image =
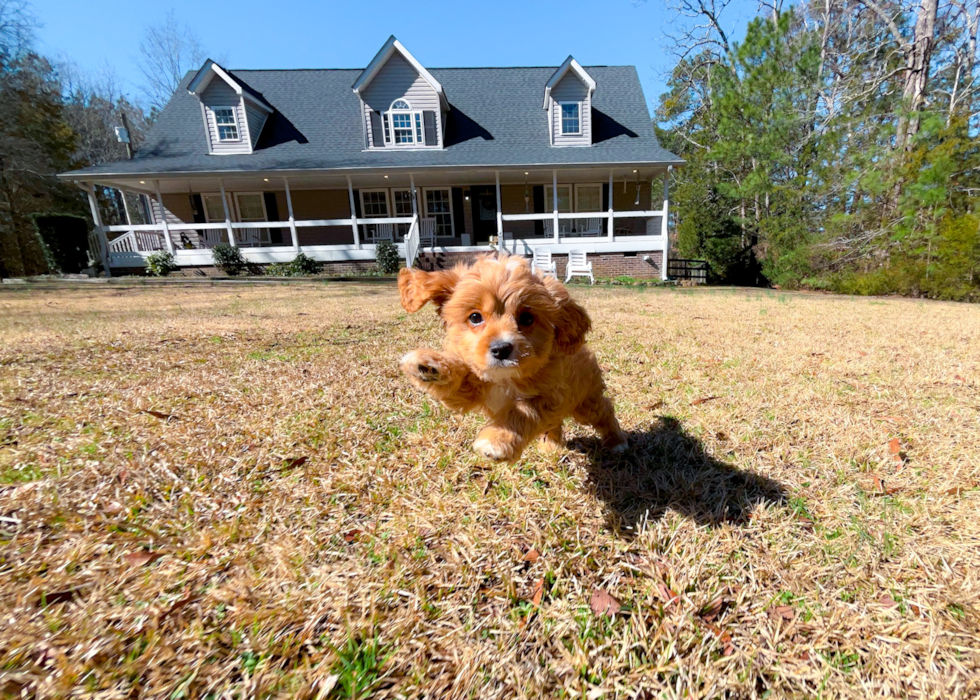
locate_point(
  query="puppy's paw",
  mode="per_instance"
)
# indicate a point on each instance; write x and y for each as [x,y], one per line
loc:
[497,445]
[424,367]
[617,444]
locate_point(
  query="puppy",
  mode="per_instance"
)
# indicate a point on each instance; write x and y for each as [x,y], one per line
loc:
[514,350]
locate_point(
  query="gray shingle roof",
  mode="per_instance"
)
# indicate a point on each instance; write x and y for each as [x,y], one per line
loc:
[496,119]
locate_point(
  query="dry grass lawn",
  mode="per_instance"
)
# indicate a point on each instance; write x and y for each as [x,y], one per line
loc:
[230,492]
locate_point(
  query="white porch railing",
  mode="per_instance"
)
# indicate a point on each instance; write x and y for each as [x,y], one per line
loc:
[412,242]
[137,241]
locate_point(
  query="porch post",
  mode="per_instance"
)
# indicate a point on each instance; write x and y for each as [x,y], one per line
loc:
[163,219]
[292,219]
[224,205]
[99,231]
[129,219]
[353,213]
[611,227]
[500,214]
[663,225]
[554,200]
[415,206]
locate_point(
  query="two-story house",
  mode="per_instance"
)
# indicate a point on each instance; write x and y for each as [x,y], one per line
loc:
[440,161]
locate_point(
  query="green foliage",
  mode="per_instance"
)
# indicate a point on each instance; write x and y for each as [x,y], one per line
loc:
[795,174]
[228,259]
[300,266]
[387,258]
[160,264]
[358,666]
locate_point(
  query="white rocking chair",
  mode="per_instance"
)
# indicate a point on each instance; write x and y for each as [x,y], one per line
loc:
[427,233]
[578,264]
[592,227]
[384,232]
[542,263]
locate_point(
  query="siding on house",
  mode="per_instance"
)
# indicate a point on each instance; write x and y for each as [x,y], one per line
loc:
[256,120]
[220,94]
[398,79]
[571,89]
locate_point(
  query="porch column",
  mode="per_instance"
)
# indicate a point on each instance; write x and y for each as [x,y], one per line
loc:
[292,219]
[353,213]
[663,226]
[554,200]
[163,219]
[612,223]
[500,214]
[129,219]
[224,205]
[415,206]
[99,231]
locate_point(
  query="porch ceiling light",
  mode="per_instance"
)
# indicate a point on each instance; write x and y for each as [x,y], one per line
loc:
[142,182]
[265,179]
[634,171]
[386,177]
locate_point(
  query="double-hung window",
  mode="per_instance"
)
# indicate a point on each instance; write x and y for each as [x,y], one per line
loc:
[570,121]
[227,123]
[403,125]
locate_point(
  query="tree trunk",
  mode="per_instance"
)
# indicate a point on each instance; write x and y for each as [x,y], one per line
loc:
[917,59]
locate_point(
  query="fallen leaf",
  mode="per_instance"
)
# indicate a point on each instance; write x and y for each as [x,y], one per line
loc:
[330,682]
[804,656]
[862,353]
[784,612]
[705,399]
[721,436]
[178,604]
[893,419]
[725,638]
[142,557]
[603,603]
[122,475]
[895,449]
[880,489]
[887,601]
[712,610]
[955,491]
[532,556]
[654,407]
[352,535]
[916,610]
[538,593]
[159,414]
[667,595]
[296,462]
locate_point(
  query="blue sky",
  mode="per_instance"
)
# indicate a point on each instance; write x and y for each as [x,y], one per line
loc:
[258,34]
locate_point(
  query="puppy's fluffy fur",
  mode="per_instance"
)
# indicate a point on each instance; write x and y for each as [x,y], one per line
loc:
[514,349]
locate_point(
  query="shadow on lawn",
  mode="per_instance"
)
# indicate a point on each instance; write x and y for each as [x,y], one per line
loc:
[667,468]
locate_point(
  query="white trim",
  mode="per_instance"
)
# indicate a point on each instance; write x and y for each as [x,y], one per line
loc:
[390,46]
[452,214]
[569,64]
[360,194]
[207,72]
[561,118]
[416,125]
[238,209]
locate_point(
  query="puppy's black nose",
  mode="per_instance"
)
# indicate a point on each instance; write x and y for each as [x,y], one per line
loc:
[501,349]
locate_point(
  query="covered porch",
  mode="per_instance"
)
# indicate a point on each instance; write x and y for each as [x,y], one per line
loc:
[338,217]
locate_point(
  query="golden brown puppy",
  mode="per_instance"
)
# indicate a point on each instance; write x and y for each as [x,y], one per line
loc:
[514,349]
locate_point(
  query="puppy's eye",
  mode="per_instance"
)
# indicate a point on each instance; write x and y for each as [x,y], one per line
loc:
[526,318]
[476,319]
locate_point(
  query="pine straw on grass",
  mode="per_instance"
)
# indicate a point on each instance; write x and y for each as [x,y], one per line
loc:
[232,493]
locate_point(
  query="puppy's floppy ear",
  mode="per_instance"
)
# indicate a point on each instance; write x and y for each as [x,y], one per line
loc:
[572,322]
[416,287]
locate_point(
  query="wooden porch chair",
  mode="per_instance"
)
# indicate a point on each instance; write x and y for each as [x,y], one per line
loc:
[210,237]
[578,264]
[384,232]
[427,232]
[541,261]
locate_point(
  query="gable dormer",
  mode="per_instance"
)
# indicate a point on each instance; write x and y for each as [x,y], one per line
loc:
[233,113]
[402,105]
[568,101]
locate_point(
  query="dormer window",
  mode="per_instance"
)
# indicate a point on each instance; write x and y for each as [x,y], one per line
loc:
[224,118]
[404,125]
[570,122]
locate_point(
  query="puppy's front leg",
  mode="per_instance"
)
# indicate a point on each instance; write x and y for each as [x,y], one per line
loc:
[444,377]
[508,433]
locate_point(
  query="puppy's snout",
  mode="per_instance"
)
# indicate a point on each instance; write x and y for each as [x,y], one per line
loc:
[501,349]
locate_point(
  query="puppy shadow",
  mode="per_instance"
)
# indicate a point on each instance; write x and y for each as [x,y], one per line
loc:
[667,468]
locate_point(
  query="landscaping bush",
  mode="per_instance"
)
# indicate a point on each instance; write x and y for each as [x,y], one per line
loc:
[387,257]
[228,259]
[160,264]
[300,266]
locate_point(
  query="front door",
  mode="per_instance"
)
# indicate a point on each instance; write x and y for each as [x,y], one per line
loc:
[484,212]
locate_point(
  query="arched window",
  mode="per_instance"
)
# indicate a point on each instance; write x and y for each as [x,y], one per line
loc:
[403,126]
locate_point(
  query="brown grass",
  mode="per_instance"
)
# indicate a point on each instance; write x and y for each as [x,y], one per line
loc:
[231,492]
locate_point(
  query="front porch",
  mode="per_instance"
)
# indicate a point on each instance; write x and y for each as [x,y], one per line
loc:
[340,219]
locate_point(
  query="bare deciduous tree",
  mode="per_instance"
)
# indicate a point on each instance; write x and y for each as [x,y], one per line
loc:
[17,25]
[168,50]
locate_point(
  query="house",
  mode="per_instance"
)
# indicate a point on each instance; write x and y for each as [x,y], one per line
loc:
[443,162]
